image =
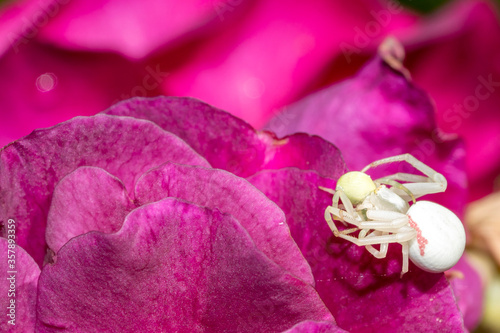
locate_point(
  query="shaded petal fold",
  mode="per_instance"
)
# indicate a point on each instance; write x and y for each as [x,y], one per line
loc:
[212,188]
[32,166]
[173,266]
[87,199]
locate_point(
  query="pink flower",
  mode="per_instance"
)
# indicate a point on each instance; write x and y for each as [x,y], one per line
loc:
[464,84]
[68,58]
[136,218]
[144,208]
[62,58]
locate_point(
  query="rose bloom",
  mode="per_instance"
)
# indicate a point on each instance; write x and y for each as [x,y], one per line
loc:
[167,214]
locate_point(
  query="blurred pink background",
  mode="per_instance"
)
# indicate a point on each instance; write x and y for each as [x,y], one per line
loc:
[60,59]
[64,58]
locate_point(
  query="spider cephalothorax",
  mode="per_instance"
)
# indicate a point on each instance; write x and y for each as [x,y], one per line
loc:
[432,236]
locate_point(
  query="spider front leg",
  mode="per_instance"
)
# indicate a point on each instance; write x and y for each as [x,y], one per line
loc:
[339,195]
[418,185]
[342,216]
[399,237]
[364,233]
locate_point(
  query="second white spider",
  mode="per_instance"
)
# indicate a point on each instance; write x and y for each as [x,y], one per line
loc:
[432,236]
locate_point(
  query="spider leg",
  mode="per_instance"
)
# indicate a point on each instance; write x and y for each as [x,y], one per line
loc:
[384,220]
[408,177]
[379,254]
[405,258]
[435,184]
[326,189]
[382,253]
[342,216]
[339,195]
[400,237]
[383,227]
[398,188]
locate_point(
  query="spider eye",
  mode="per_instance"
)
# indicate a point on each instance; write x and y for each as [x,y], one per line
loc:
[356,186]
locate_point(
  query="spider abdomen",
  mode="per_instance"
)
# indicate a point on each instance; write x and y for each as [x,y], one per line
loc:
[440,239]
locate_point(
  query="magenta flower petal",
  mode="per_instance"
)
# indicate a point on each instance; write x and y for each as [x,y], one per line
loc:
[377,114]
[132,28]
[304,36]
[304,152]
[211,188]
[30,167]
[87,199]
[361,291]
[172,267]
[468,287]
[228,142]
[467,99]
[41,86]
[18,19]
[18,282]
[315,327]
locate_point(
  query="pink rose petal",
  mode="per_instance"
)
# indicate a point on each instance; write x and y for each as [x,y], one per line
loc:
[41,86]
[31,166]
[134,28]
[270,59]
[467,99]
[18,286]
[315,327]
[172,267]
[211,188]
[228,142]
[87,199]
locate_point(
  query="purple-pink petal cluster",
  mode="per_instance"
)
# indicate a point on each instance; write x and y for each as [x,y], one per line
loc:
[122,214]
[173,266]
[141,218]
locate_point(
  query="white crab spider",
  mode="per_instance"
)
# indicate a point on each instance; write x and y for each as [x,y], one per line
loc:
[432,236]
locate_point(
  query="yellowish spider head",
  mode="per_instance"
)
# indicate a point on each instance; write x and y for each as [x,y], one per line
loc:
[356,186]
